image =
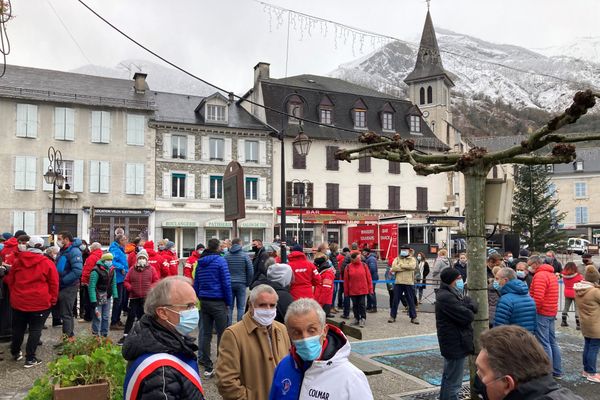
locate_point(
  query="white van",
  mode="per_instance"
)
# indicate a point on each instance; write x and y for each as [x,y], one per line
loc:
[577,245]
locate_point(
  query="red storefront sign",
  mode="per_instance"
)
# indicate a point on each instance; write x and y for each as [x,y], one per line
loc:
[363,236]
[331,216]
[388,241]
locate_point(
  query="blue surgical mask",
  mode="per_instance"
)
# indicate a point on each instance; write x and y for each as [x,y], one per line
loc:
[403,253]
[188,321]
[308,349]
[108,264]
[510,259]
[460,285]
[496,285]
[521,274]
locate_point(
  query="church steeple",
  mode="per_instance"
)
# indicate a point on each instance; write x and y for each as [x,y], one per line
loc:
[429,62]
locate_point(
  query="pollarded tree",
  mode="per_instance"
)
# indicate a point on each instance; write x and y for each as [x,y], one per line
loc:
[475,166]
[535,209]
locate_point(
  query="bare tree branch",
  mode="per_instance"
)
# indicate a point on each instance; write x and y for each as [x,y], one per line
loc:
[541,160]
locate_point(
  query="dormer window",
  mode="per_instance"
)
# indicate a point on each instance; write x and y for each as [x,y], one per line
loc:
[415,124]
[295,108]
[326,111]
[578,165]
[387,118]
[215,113]
[359,115]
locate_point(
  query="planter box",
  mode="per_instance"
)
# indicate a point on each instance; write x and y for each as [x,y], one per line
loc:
[99,391]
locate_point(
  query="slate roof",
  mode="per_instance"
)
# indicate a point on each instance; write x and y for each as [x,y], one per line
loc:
[67,87]
[343,95]
[180,108]
[429,61]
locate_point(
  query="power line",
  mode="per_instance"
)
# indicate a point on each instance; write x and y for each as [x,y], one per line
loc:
[68,31]
[370,34]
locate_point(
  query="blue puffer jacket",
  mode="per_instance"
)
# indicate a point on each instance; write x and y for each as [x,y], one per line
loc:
[371,262]
[240,266]
[516,306]
[212,280]
[70,265]
[119,261]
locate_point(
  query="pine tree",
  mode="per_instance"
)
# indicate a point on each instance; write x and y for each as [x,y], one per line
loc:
[535,209]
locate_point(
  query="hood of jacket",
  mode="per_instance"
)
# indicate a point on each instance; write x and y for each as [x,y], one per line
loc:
[10,245]
[31,257]
[148,336]
[515,286]
[582,287]
[236,248]
[297,256]
[443,260]
[536,389]
[96,253]
[336,349]
[207,258]
[545,268]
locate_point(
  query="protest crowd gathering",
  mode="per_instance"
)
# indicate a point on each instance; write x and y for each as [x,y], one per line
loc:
[270,317]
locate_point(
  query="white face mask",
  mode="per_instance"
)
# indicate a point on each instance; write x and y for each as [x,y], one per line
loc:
[22,247]
[59,243]
[142,262]
[264,316]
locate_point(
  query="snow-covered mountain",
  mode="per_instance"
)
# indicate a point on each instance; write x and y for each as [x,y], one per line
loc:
[160,78]
[483,84]
[584,48]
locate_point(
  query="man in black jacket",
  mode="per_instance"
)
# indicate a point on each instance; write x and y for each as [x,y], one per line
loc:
[454,314]
[513,365]
[161,354]
[258,261]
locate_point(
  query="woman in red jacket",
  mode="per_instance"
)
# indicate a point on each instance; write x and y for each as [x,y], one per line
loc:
[33,284]
[324,291]
[357,285]
[306,275]
[88,266]
[570,276]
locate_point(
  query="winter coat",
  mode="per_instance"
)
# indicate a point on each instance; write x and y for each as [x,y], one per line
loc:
[371,262]
[569,281]
[324,291]
[119,261]
[493,297]
[190,263]
[240,266]
[423,270]
[440,264]
[339,258]
[334,258]
[212,280]
[138,282]
[32,282]
[173,261]
[357,279]
[544,388]
[11,246]
[462,269]
[556,265]
[331,376]
[453,317]
[404,268]
[155,260]
[70,265]
[587,298]
[131,256]
[167,382]
[89,265]
[516,307]
[102,279]
[258,263]
[248,356]
[544,290]
[527,280]
[306,275]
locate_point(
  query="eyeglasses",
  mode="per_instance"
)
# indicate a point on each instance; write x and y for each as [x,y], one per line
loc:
[189,306]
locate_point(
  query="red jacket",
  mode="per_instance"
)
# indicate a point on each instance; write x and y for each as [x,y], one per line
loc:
[324,291]
[139,282]
[131,259]
[305,275]
[569,281]
[89,265]
[33,282]
[160,265]
[357,279]
[173,261]
[188,267]
[9,251]
[544,290]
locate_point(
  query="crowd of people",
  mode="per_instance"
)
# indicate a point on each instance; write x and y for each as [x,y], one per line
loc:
[277,343]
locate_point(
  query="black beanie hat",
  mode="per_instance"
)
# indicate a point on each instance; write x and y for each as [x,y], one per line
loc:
[449,275]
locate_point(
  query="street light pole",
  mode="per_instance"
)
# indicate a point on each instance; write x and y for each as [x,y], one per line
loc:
[54,177]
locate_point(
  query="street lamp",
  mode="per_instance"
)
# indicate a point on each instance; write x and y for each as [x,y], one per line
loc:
[301,200]
[54,177]
[301,144]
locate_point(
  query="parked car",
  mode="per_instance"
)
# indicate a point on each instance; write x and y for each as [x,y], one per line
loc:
[577,245]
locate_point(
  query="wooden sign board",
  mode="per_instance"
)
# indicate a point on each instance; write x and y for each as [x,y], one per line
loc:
[233,192]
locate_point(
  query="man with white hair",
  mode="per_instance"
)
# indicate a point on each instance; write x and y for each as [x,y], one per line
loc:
[161,354]
[251,349]
[317,366]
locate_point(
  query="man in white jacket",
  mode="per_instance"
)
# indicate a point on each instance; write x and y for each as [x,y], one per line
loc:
[317,366]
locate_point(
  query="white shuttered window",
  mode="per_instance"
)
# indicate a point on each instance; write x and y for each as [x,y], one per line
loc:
[25,173]
[99,176]
[135,130]
[134,179]
[100,126]
[24,220]
[64,123]
[27,120]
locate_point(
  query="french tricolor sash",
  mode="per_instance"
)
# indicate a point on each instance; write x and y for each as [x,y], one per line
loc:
[148,363]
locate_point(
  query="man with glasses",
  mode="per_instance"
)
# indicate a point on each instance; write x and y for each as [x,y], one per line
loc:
[161,354]
[522,373]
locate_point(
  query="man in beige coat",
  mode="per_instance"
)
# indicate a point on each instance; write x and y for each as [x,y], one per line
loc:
[251,349]
[404,269]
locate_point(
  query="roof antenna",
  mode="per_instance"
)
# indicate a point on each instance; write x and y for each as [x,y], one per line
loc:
[428,1]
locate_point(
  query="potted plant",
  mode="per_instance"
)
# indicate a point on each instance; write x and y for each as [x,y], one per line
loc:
[90,368]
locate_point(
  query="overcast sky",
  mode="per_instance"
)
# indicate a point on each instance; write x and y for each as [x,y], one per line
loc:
[222,40]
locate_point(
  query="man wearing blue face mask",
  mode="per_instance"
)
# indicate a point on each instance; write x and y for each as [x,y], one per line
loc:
[318,365]
[454,314]
[161,354]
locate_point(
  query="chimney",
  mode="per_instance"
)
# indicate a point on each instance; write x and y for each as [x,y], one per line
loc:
[261,71]
[139,82]
[231,97]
